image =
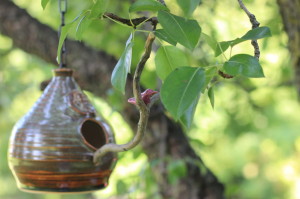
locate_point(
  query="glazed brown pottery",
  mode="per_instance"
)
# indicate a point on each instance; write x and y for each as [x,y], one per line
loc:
[52,146]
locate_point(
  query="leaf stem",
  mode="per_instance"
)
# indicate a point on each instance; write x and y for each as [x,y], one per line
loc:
[146,31]
[116,21]
[222,51]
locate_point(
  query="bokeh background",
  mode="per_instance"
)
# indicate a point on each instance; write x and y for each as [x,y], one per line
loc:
[250,140]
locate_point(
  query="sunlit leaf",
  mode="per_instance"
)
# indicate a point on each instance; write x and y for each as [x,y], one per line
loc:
[188,6]
[147,5]
[181,88]
[63,35]
[253,34]
[209,40]
[184,31]
[243,64]
[64,32]
[221,47]
[167,59]
[160,33]
[257,33]
[82,25]
[209,74]
[211,96]
[44,3]
[99,8]
[122,68]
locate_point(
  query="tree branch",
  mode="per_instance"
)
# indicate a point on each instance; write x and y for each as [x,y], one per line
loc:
[142,107]
[164,138]
[133,22]
[30,35]
[255,24]
[254,43]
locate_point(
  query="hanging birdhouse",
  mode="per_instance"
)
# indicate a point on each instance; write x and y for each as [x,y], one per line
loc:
[52,146]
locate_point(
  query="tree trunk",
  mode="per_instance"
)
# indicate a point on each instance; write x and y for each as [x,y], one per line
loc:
[290,12]
[164,138]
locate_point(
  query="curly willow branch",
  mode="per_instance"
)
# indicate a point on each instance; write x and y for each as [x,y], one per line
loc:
[254,43]
[255,24]
[142,107]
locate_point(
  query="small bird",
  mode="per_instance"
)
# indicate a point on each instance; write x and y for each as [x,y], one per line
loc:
[146,97]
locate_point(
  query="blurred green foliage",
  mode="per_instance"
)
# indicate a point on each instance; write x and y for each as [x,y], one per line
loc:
[250,140]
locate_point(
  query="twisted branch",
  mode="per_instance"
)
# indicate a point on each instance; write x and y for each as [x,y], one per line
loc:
[164,137]
[254,43]
[255,24]
[142,107]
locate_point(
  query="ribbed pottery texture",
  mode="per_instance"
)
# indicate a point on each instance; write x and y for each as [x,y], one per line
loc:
[52,146]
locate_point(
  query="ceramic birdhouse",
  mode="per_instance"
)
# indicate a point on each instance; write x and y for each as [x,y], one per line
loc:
[52,146]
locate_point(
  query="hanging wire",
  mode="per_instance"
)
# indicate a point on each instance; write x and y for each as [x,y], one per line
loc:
[62,6]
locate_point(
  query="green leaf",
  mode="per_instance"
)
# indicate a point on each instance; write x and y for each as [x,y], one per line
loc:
[160,33]
[209,74]
[243,64]
[184,31]
[187,118]
[221,47]
[209,40]
[167,59]
[79,16]
[99,8]
[188,6]
[64,32]
[122,68]
[257,33]
[181,88]
[63,35]
[147,5]
[82,25]
[44,3]
[253,34]
[211,96]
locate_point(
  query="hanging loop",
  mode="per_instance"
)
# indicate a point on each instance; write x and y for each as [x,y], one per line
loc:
[62,6]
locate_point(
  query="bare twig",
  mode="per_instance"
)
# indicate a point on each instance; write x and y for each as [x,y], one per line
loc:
[133,22]
[142,107]
[255,24]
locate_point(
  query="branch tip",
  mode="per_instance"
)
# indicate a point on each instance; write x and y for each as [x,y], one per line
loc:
[255,24]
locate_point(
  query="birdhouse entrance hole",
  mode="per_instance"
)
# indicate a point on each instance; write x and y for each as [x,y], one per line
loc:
[93,134]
